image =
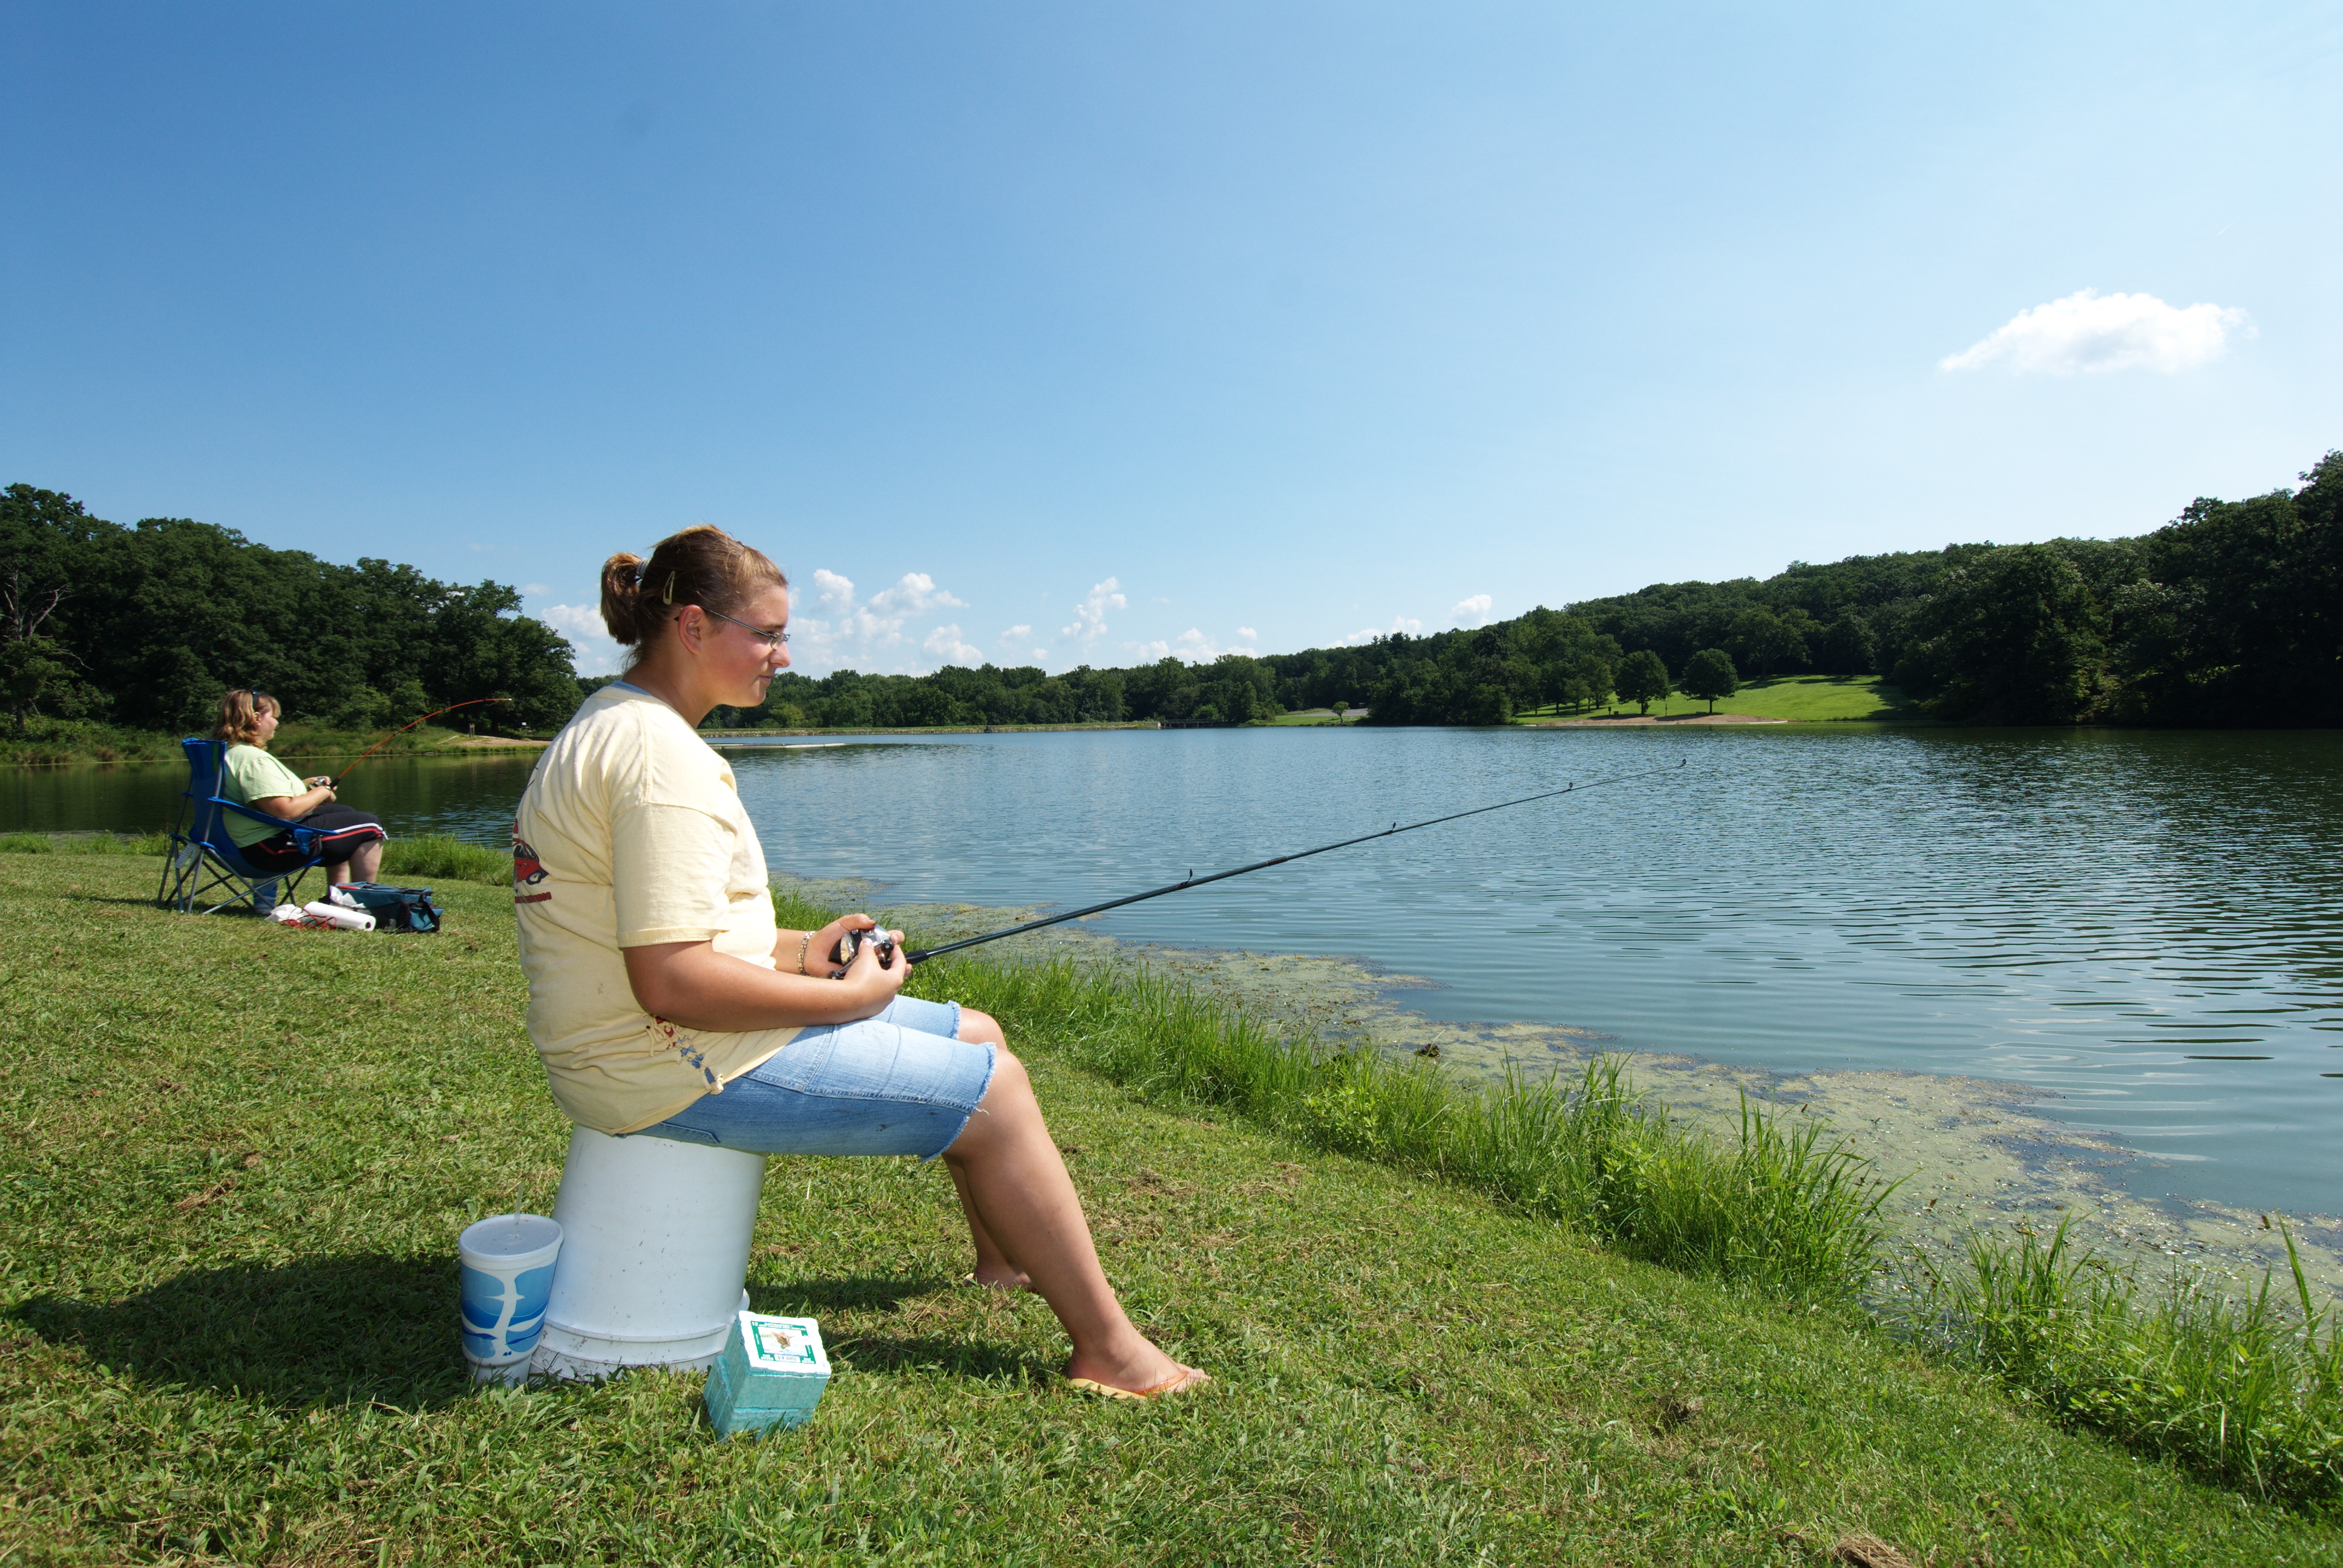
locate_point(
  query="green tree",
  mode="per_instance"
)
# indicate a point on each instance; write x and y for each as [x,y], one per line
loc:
[1710,675]
[1643,679]
[1847,648]
[1767,642]
[1487,704]
[2017,640]
[30,670]
[1342,711]
[40,533]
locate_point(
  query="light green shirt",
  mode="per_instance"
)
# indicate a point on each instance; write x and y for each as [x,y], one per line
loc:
[248,774]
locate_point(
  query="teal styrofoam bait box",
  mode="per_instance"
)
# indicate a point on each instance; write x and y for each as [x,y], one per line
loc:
[771,1373]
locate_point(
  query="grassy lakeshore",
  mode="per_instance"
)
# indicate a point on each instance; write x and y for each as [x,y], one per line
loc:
[1794,698]
[932,730]
[227,1212]
[52,743]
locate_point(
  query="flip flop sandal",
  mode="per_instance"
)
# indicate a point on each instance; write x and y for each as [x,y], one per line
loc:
[1190,1379]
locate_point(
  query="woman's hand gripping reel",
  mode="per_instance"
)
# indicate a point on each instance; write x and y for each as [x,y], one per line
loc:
[851,944]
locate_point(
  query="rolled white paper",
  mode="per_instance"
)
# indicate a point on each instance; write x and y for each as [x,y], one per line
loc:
[333,915]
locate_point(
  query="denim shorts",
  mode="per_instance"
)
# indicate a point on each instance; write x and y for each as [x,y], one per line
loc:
[899,1082]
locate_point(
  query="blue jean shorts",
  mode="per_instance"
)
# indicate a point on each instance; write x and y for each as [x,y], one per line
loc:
[899,1082]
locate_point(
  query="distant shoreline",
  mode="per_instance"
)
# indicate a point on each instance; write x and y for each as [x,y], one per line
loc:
[1610,720]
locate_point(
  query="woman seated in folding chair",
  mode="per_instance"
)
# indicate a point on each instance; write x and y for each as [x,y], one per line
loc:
[351,841]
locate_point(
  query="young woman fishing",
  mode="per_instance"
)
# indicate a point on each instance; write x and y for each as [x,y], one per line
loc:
[667,1003]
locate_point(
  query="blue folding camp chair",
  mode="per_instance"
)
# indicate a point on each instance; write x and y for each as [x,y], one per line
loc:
[204,860]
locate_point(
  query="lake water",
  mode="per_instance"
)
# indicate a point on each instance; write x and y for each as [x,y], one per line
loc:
[2149,925]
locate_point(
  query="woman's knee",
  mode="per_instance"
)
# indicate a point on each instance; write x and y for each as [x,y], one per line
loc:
[1009,1077]
[982,1027]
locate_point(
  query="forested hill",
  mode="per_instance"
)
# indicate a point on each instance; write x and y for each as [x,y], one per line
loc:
[146,626]
[2231,615]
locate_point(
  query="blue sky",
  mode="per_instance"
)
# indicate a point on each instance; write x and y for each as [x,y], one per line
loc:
[1069,334]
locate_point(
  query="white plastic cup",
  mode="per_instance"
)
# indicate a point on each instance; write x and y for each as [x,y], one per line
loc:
[506,1281]
[335,916]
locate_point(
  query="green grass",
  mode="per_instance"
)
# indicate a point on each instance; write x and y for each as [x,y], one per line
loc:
[434,856]
[55,742]
[1776,1208]
[2246,1392]
[1797,698]
[85,843]
[227,1212]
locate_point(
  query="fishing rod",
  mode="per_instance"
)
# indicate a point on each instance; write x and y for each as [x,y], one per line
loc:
[1192,880]
[336,781]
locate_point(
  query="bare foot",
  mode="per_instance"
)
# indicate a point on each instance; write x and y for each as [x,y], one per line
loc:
[1147,1372]
[1005,1277]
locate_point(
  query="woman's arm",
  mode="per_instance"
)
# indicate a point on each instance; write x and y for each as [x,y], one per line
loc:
[293,808]
[692,984]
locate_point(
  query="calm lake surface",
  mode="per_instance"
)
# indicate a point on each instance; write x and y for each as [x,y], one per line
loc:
[2149,925]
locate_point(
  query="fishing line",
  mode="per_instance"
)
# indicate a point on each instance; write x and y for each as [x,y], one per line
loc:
[337,782]
[1192,880]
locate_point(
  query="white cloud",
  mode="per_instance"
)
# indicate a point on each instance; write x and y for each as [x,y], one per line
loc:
[1473,611]
[1040,654]
[1090,616]
[1017,634]
[1247,634]
[835,593]
[1193,646]
[2089,332]
[871,635]
[1367,634]
[915,593]
[945,644]
[597,654]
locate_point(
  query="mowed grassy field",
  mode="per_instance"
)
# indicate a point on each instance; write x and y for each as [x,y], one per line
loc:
[1797,698]
[237,1157]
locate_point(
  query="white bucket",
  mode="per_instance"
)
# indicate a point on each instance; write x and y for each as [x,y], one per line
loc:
[509,1268]
[656,1251]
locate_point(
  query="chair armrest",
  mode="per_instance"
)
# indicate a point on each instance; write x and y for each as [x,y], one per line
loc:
[242,810]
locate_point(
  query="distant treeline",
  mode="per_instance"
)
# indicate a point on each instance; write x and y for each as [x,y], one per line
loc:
[2232,614]
[146,626]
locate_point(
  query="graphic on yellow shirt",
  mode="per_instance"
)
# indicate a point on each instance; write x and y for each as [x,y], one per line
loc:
[528,869]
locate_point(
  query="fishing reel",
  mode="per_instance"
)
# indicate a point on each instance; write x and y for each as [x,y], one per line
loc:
[852,943]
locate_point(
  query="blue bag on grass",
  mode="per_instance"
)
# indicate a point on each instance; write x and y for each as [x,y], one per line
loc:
[393,908]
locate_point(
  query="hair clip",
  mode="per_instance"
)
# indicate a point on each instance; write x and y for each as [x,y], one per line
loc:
[668,597]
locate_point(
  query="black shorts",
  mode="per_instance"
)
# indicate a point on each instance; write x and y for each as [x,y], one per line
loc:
[342,829]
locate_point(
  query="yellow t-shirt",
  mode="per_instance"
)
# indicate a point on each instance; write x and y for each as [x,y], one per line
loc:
[631,833]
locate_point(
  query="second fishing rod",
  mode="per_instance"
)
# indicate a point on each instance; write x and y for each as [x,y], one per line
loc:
[854,941]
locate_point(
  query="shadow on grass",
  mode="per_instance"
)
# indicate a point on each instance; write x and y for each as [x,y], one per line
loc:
[324,1330]
[374,1327]
[932,1352]
[877,1351]
[867,1293]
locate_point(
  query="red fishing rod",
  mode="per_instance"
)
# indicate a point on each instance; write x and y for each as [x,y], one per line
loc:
[854,938]
[336,781]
